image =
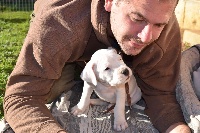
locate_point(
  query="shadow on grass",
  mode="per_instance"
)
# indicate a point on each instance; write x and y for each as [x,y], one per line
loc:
[15,20]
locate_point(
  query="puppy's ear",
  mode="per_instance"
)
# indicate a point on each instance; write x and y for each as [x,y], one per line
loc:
[88,74]
[111,48]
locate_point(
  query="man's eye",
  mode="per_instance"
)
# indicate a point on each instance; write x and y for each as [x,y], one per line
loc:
[137,20]
[107,68]
[159,25]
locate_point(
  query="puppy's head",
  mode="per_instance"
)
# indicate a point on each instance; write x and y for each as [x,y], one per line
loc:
[106,67]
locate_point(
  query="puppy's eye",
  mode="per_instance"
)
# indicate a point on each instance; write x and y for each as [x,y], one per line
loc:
[107,68]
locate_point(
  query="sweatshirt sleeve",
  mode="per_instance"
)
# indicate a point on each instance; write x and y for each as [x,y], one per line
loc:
[157,72]
[54,38]
[28,89]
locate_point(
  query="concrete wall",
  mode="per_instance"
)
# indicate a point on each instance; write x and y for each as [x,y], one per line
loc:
[188,15]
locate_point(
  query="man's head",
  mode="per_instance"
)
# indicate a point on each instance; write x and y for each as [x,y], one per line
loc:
[137,23]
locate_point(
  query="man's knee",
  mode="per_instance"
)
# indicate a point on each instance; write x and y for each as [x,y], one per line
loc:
[64,83]
[178,128]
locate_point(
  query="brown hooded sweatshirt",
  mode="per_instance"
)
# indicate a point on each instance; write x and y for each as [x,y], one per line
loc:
[65,31]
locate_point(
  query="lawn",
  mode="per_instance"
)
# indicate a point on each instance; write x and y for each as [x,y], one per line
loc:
[13,29]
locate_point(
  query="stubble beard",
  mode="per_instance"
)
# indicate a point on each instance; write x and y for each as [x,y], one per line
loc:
[129,50]
[124,44]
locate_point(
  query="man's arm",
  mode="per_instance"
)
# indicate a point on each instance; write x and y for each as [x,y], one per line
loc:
[27,92]
[157,72]
[54,38]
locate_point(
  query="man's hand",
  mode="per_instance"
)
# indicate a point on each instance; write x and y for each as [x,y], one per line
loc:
[178,128]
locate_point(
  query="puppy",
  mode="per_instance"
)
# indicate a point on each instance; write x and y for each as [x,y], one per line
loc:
[106,74]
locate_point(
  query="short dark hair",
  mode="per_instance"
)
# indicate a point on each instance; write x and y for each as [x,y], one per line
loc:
[117,2]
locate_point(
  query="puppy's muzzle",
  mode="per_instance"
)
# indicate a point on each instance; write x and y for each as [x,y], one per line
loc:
[125,71]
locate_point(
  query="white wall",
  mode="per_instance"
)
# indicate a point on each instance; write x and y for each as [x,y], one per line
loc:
[188,15]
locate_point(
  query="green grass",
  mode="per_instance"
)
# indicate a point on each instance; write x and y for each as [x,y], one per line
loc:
[13,29]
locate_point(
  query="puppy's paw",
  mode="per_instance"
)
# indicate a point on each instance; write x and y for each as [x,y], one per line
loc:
[76,111]
[120,125]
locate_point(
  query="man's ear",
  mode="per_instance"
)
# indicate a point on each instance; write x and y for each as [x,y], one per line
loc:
[108,5]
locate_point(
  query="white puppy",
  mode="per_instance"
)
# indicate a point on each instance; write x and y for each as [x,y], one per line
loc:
[106,74]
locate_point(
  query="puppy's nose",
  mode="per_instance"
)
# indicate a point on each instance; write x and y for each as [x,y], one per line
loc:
[125,72]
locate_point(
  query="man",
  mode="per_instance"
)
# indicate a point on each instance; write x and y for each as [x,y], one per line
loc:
[65,32]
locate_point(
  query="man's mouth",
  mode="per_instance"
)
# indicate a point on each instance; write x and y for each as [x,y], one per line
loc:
[136,45]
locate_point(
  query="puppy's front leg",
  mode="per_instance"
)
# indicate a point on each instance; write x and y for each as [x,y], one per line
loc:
[119,110]
[84,101]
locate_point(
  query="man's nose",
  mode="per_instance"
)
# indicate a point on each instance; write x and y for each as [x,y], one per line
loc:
[146,33]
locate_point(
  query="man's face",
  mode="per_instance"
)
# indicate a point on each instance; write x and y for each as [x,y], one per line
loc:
[137,23]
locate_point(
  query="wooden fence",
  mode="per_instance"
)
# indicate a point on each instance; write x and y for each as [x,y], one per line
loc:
[16,5]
